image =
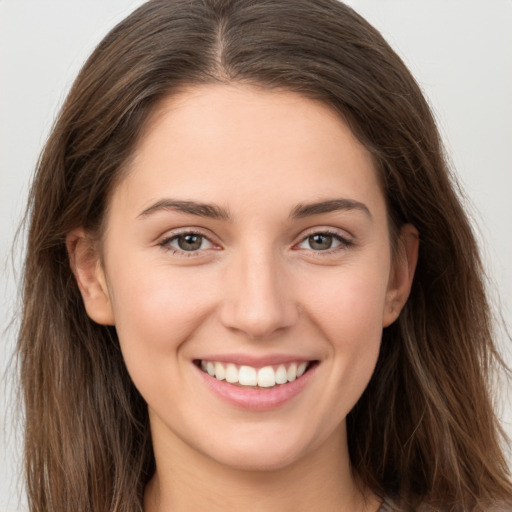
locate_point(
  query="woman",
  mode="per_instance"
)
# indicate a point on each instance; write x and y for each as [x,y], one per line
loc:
[249,280]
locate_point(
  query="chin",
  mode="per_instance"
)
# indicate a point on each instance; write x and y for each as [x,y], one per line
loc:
[257,460]
[249,454]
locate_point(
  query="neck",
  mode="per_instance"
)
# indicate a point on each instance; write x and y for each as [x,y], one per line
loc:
[321,480]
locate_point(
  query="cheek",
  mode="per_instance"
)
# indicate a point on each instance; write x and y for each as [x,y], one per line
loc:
[350,301]
[348,311]
[353,319]
[157,307]
[157,310]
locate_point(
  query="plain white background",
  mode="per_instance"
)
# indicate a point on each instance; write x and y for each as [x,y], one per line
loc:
[459,50]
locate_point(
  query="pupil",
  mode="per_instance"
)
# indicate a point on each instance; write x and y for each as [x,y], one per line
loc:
[320,242]
[189,242]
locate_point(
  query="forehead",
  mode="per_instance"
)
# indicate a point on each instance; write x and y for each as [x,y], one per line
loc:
[233,144]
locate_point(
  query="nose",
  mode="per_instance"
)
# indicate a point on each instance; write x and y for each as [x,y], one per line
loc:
[258,297]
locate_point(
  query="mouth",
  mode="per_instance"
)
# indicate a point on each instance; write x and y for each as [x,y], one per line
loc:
[266,377]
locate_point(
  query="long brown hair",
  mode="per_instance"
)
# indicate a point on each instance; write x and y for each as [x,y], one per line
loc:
[424,430]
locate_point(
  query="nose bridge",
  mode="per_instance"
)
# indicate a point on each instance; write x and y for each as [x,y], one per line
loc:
[257,299]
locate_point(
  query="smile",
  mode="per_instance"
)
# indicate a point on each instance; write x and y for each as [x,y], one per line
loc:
[265,377]
[256,385]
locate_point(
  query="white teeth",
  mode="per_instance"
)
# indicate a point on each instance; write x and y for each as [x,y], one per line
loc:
[265,377]
[281,376]
[301,369]
[291,374]
[220,372]
[231,373]
[247,376]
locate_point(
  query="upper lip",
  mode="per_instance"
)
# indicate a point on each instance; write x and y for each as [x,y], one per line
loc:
[255,361]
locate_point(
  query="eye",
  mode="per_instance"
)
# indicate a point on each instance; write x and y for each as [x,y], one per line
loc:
[323,241]
[187,242]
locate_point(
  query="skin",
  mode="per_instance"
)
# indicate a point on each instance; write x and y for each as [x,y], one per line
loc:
[255,286]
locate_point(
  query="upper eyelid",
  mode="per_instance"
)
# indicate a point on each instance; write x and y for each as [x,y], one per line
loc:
[345,241]
[342,233]
[164,242]
[173,233]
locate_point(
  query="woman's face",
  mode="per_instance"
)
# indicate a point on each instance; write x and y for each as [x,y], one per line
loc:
[248,241]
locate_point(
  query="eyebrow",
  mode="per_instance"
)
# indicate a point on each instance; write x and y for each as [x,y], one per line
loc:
[191,207]
[217,212]
[331,205]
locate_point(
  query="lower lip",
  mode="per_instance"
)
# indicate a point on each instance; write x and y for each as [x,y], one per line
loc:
[253,399]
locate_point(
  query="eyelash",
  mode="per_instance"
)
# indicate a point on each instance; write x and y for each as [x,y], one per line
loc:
[344,243]
[165,244]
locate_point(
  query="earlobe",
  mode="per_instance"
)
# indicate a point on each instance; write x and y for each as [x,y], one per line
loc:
[89,274]
[402,273]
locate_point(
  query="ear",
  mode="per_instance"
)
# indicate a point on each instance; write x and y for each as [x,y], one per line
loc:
[86,265]
[402,273]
